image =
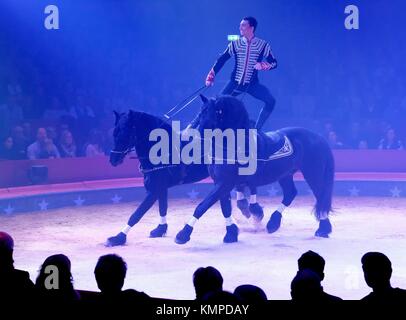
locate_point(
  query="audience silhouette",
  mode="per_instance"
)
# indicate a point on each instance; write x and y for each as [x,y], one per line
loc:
[15,285]
[54,283]
[110,272]
[206,281]
[249,293]
[313,261]
[377,273]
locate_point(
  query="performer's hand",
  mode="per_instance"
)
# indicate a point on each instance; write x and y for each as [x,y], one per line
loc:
[258,66]
[262,66]
[210,78]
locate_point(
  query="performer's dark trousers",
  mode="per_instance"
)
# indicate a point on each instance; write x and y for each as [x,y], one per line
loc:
[256,90]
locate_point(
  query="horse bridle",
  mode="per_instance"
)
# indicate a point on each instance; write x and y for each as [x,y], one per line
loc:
[124,152]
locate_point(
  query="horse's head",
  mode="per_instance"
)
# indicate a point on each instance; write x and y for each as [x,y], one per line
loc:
[223,112]
[124,136]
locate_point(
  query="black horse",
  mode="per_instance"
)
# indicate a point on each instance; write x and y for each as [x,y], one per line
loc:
[279,155]
[132,131]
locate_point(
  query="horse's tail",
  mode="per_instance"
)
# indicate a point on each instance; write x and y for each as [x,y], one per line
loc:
[318,171]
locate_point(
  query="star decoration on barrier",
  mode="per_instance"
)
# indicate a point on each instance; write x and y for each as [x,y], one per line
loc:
[273,191]
[43,205]
[395,192]
[116,199]
[354,191]
[193,194]
[79,201]
[9,209]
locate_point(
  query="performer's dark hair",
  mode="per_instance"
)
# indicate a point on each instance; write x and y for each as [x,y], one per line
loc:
[252,21]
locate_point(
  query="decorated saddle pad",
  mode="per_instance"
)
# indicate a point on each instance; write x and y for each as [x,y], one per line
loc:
[273,145]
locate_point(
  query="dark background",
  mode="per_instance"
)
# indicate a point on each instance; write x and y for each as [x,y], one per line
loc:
[149,55]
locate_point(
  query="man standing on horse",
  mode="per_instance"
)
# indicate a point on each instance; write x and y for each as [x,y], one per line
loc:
[249,52]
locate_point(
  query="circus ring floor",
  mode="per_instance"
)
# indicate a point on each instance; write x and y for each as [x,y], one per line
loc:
[164,269]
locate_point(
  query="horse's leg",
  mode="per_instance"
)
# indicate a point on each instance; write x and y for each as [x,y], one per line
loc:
[254,207]
[219,191]
[289,193]
[145,205]
[242,202]
[231,227]
[318,171]
[162,228]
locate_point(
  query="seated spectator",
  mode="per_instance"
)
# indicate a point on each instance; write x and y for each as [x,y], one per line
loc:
[363,145]
[333,141]
[390,142]
[60,290]
[82,110]
[20,142]
[221,297]
[207,280]
[110,273]
[15,285]
[249,294]
[55,111]
[42,148]
[15,110]
[313,261]
[52,134]
[7,151]
[94,147]
[306,287]
[377,273]
[67,146]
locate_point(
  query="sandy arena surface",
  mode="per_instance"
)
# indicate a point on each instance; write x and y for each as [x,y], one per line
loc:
[164,269]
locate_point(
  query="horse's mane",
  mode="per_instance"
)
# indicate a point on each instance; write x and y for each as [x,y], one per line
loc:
[235,114]
[149,121]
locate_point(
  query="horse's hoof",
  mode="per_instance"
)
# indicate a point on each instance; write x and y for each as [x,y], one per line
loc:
[232,234]
[244,208]
[274,222]
[325,228]
[159,231]
[117,240]
[183,235]
[256,211]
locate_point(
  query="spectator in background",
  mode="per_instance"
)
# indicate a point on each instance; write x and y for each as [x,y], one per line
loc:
[14,109]
[42,148]
[7,151]
[390,141]
[55,111]
[4,121]
[20,142]
[94,147]
[52,134]
[27,132]
[67,146]
[51,151]
[363,145]
[333,141]
[81,110]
